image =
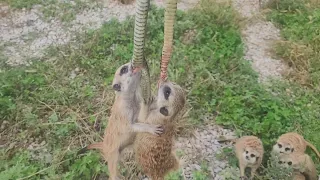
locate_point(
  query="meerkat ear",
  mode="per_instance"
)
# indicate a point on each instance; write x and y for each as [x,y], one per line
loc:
[117,87]
[292,149]
[164,111]
[257,158]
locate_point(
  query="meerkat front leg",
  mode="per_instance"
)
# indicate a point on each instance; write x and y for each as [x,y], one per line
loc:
[143,127]
[150,128]
[253,172]
[242,170]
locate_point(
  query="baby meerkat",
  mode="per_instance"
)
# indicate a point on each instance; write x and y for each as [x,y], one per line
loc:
[301,163]
[155,153]
[249,151]
[292,142]
[122,126]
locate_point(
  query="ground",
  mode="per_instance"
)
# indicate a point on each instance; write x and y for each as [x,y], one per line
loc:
[247,70]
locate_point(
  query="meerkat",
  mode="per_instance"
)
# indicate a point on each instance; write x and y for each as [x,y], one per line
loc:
[122,126]
[153,153]
[300,162]
[292,142]
[249,151]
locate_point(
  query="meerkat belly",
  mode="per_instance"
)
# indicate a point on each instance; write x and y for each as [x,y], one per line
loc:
[153,153]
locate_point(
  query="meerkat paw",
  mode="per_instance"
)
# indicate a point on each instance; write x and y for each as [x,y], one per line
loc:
[243,178]
[156,129]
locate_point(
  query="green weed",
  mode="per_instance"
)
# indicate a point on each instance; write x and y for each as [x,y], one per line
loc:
[19,4]
[66,102]
[299,24]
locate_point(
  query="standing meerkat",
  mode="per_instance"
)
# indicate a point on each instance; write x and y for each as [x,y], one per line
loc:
[301,163]
[122,126]
[292,142]
[155,153]
[249,151]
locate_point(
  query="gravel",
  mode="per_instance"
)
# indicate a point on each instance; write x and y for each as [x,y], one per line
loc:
[258,37]
[203,146]
[24,35]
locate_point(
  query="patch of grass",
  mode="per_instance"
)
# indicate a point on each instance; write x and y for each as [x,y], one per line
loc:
[203,173]
[65,10]
[66,103]
[299,24]
[19,4]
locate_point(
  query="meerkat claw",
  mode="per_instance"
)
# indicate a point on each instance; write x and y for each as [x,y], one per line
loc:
[157,130]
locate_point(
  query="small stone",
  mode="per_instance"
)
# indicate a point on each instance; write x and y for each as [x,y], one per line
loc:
[197,167]
[217,170]
[222,165]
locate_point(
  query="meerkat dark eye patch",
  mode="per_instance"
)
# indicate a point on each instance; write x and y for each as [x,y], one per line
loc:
[279,145]
[164,111]
[123,70]
[287,149]
[280,162]
[289,163]
[166,92]
[252,155]
[117,87]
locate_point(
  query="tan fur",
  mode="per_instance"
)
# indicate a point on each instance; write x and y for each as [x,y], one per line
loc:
[298,176]
[249,151]
[122,126]
[301,163]
[155,153]
[292,143]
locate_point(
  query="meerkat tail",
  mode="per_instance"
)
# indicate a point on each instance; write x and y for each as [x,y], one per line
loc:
[313,148]
[91,146]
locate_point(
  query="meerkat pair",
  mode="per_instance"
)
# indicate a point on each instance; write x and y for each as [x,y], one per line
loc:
[122,126]
[155,153]
[290,148]
[292,142]
[301,164]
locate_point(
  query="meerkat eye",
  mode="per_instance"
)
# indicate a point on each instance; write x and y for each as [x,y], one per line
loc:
[117,87]
[279,145]
[289,163]
[164,111]
[280,162]
[247,152]
[287,149]
[252,155]
[123,70]
[167,92]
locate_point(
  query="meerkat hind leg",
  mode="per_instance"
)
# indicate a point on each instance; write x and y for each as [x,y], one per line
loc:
[113,159]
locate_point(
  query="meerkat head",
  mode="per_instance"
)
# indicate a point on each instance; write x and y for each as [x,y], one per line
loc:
[288,161]
[171,98]
[251,155]
[125,79]
[282,147]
